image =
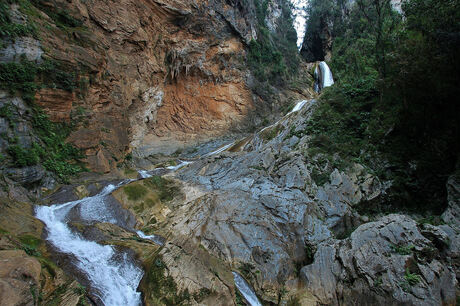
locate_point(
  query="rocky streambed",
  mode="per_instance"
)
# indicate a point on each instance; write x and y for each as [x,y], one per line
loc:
[251,223]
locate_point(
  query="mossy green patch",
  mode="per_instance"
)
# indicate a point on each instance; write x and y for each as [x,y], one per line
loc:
[271,132]
[135,192]
[30,244]
[165,188]
[160,288]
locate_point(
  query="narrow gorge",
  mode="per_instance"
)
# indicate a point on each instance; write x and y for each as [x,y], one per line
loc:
[229,152]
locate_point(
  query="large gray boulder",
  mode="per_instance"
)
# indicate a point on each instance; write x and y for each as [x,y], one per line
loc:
[26,175]
[388,261]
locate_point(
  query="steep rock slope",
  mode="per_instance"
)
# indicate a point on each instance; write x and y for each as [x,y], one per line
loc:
[264,208]
[149,75]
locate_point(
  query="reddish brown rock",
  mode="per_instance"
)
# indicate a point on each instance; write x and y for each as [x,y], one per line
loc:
[57,103]
[153,76]
[19,275]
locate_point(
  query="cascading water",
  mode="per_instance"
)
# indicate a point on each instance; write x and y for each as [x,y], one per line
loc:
[113,275]
[323,76]
[246,290]
[219,150]
[298,106]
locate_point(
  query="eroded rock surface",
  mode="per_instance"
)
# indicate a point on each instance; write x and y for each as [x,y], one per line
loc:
[154,76]
[387,261]
[259,210]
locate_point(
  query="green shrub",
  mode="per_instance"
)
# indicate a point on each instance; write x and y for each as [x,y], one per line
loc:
[24,157]
[135,192]
[403,249]
[165,188]
[10,29]
[6,112]
[273,57]
[55,153]
[412,278]
[19,77]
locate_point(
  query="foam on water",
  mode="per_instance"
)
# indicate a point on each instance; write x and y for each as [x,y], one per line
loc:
[246,290]
[154,238]
[114,277]
[181,164]
[326,73]
[298,106]
[144,174]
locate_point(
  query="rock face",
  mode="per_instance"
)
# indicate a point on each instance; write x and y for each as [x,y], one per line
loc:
[151,75]
[259,209]
[18,274]
[22,46]
[387,261]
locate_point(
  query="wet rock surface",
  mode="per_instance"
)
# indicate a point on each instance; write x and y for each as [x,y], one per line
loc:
[387,261]
[260,211]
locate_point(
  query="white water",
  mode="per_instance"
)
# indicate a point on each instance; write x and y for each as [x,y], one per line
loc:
[246,290]
[153,238]
[181,164]
[115,279]
[298,106]
[219,150]
[144,174]
[327,79]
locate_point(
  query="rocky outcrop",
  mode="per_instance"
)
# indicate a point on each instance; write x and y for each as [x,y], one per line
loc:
[26,175]
[19,277]
[151,75]
[259,209]
[57,102]
[387,261]
[22,46]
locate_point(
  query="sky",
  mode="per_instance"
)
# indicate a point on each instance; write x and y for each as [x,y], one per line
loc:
[300,19]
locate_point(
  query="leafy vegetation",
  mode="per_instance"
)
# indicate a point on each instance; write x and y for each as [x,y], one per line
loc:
[25,77]
[412,278]
[54,152]
[402,249]
[24,157]
[10,29]
[393,106]
[165,188]
[159,287]
[273,56]
[135,192]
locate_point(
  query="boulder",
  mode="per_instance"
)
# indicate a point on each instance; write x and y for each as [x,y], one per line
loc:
[387,261]
[26,175]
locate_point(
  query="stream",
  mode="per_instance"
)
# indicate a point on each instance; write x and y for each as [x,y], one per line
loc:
[114,275]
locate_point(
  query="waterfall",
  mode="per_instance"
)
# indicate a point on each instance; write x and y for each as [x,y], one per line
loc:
[246,290]
[219,150]
[113,275]
[298,106]
[323,76]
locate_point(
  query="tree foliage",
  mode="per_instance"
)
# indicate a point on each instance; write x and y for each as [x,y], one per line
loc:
[273,56]
[395,102]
